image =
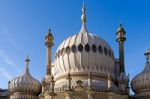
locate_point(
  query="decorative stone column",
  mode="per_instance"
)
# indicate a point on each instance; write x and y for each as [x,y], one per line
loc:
[69,82]
[90,81]
[109,83]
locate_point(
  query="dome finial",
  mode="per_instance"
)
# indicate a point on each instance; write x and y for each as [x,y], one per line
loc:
[27,60]
[83,19]
[120,25]
[147,53]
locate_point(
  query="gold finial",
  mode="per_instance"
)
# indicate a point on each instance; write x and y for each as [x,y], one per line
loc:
[120,33]
[147,53]
[83,17]
[121,29]
[27,60]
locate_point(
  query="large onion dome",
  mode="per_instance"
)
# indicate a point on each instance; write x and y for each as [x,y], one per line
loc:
[141,82]
[82,53]
[25,84]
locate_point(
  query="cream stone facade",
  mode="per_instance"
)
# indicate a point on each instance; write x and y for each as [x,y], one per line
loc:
[84,67]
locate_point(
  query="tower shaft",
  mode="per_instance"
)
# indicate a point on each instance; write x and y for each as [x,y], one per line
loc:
[48,60]
[121,56]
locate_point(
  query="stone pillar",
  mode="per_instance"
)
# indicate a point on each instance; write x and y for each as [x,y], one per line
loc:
[90,81]
[69,82]
[52,83]
[109,82]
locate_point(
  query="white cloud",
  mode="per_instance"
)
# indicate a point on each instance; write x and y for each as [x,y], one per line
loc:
[5,73]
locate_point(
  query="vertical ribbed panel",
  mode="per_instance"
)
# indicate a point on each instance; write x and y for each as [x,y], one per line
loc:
[83,61]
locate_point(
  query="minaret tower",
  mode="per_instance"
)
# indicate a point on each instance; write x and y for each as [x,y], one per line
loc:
[49,42]
[123,79]
[121,39]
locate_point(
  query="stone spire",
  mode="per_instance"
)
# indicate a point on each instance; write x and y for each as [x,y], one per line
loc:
[27,60]
[83,19]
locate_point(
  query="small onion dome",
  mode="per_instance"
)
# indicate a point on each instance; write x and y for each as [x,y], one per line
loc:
[141,82]
[25,83]
[120,29]
[121,33]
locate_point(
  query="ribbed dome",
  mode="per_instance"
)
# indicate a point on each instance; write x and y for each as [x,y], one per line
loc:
[83,52]
[25,83]
[141,82]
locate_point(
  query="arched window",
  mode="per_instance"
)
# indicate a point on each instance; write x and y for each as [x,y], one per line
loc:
[105,50]
[94,48]
[80,47]
[73,48]
[100,49]
[68,50]
[87,47]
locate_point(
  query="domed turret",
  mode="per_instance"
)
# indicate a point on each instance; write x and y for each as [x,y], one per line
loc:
[141,82]
[24,86]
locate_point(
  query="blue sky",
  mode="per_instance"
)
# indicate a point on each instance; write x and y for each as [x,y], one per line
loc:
[24,24]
